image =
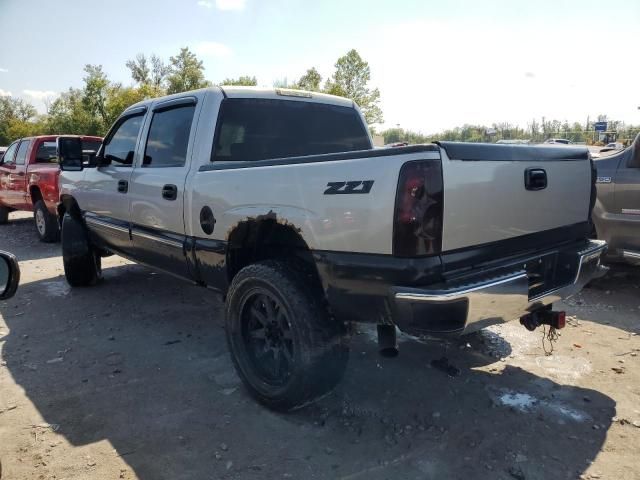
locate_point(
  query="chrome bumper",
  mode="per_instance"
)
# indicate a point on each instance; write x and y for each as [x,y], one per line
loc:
[473,305]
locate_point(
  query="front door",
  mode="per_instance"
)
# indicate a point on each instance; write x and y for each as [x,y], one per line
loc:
[7,169]
[15,178]
[104,193]
[157,187]
[627,198]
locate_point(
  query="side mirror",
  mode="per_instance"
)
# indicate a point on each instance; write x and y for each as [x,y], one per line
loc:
[102,161]
[634,162]
[9,275]
[69,151]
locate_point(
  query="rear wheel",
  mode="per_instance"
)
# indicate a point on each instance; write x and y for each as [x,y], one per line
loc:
[285,346]
[46,223]
[4,215]
[82,265]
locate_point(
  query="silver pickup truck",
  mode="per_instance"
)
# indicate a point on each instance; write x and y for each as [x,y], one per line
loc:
[616,215]
[277,199]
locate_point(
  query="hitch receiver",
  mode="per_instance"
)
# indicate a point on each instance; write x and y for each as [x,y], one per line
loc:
[533,320]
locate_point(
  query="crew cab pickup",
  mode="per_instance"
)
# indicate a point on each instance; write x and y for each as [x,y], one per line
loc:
[29,181]
[278,199]
[616,215]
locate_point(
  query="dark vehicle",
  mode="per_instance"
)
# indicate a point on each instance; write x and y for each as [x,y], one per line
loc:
[616,215]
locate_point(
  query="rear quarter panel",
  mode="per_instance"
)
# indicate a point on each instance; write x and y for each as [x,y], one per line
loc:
[294,194]
[44,177]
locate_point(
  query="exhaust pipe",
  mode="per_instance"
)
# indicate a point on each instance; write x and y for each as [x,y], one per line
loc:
[387,341]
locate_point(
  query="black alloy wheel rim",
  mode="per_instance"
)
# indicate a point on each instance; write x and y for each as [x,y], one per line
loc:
[267,337]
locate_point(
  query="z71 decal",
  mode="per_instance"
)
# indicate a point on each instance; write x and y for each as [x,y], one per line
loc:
[354,186]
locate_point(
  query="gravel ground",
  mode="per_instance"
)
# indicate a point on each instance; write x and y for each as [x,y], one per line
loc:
[132,380]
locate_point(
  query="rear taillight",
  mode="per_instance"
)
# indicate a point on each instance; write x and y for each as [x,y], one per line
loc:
[417,227]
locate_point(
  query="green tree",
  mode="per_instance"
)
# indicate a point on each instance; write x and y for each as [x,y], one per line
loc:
[310,81]
[68,115]
[351,80]
[16,117]
[119,98]
[150,71]
[186,72]
[245,81]
[140,71]
[96,85]
[159,72]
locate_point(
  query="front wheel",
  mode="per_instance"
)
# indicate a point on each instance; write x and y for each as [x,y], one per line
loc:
[82,265]
[284,344]
[46,223]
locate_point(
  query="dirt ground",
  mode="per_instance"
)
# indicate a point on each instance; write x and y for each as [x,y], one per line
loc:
[132,380]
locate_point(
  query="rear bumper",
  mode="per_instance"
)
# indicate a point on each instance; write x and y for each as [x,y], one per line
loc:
[481,299]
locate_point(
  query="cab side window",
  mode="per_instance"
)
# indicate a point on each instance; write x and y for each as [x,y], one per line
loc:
[46,153]
[121,146]
[10,154]
[169,137]
[21,156]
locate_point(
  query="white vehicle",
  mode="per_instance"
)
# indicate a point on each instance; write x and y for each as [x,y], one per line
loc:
[614,146]
[277,199]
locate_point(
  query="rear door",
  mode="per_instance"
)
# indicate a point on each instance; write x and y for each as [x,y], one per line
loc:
[104,192]
[156,192]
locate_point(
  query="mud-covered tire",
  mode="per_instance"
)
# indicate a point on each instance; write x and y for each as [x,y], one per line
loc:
[4,215]
[46,223]
[82,266]
[314,349]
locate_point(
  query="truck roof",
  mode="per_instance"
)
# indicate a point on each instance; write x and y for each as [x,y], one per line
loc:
[260,92]
[54,137]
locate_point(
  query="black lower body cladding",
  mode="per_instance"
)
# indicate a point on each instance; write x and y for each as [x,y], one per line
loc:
[362,287]
[357,285]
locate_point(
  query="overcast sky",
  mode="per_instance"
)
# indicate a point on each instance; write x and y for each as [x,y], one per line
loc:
[438,64]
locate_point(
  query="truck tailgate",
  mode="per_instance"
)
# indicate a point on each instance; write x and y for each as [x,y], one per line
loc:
[497,192]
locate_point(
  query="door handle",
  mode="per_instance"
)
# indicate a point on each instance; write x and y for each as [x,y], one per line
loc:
[123,186]
[535,179]
[169,192]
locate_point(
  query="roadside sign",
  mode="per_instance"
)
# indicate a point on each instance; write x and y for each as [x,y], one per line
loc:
[600,126]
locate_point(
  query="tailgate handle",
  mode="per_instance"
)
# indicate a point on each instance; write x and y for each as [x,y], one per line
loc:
[535,179]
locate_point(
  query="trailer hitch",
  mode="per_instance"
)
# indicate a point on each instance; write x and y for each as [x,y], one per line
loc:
[549,317]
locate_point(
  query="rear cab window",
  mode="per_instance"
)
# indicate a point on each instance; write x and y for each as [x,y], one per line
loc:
[260,129]
[46,153]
